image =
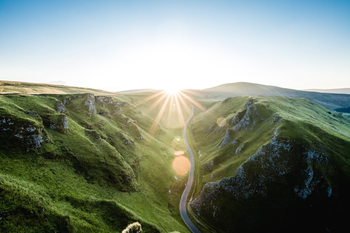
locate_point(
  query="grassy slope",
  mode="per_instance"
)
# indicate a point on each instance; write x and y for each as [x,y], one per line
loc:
[310,118]
[299,120]
[96,176]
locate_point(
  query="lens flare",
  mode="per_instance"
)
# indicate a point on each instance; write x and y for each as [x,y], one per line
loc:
[179,153]
[181,165]
[221,121]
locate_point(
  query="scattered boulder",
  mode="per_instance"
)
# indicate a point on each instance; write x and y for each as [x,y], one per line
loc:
[79,96]
[127,142]
[54,126]
[275,119]
[199,154]
[65,122]
[118,112]
[239,149]
[66,101]
[60,107]
[133,228]
[102,100]
[57,122]
[124,104]
[35,140]
[105,114]
[211,128]
[34,114]
[209,166]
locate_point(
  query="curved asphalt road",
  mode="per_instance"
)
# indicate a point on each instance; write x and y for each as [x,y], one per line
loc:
[183,201]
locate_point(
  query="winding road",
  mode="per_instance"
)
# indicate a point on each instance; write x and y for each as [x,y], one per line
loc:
[183,201]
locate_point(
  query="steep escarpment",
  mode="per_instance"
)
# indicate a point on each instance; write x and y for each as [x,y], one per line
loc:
[282,165]
[83,163]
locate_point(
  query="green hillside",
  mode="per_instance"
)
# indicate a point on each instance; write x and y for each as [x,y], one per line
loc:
[85,163]
[84,160]
[271,164]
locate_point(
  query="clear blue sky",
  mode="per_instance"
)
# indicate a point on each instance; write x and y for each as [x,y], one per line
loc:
[120,45]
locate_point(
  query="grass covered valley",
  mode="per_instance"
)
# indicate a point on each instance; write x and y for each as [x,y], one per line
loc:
[85,160]
[85,163]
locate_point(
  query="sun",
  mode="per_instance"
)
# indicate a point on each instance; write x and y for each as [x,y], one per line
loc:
[172,90]
[172,104]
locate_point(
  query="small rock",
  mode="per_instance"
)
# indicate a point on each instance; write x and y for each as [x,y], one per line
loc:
[239,149]
[226,139]
[65,122]
[54,126]
[209,166]
[118,112]
[91,103]
[60,107]
[124,104]
[211,128]
[32,114]
[105,114]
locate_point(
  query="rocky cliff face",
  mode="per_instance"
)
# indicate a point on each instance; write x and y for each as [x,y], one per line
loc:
[28,134]
[282,175]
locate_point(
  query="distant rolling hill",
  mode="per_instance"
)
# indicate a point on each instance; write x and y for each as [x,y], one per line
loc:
[331,101]
[12,87]
[335,91]
[138,91]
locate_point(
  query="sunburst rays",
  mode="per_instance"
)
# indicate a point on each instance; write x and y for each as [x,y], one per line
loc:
[171,107]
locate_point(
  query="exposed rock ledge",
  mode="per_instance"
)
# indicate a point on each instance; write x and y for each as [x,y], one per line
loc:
[27,133]
[273,162]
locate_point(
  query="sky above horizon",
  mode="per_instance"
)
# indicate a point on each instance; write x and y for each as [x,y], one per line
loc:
[124,45]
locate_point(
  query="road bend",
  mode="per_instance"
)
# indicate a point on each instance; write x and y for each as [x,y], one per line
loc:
[183,201]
